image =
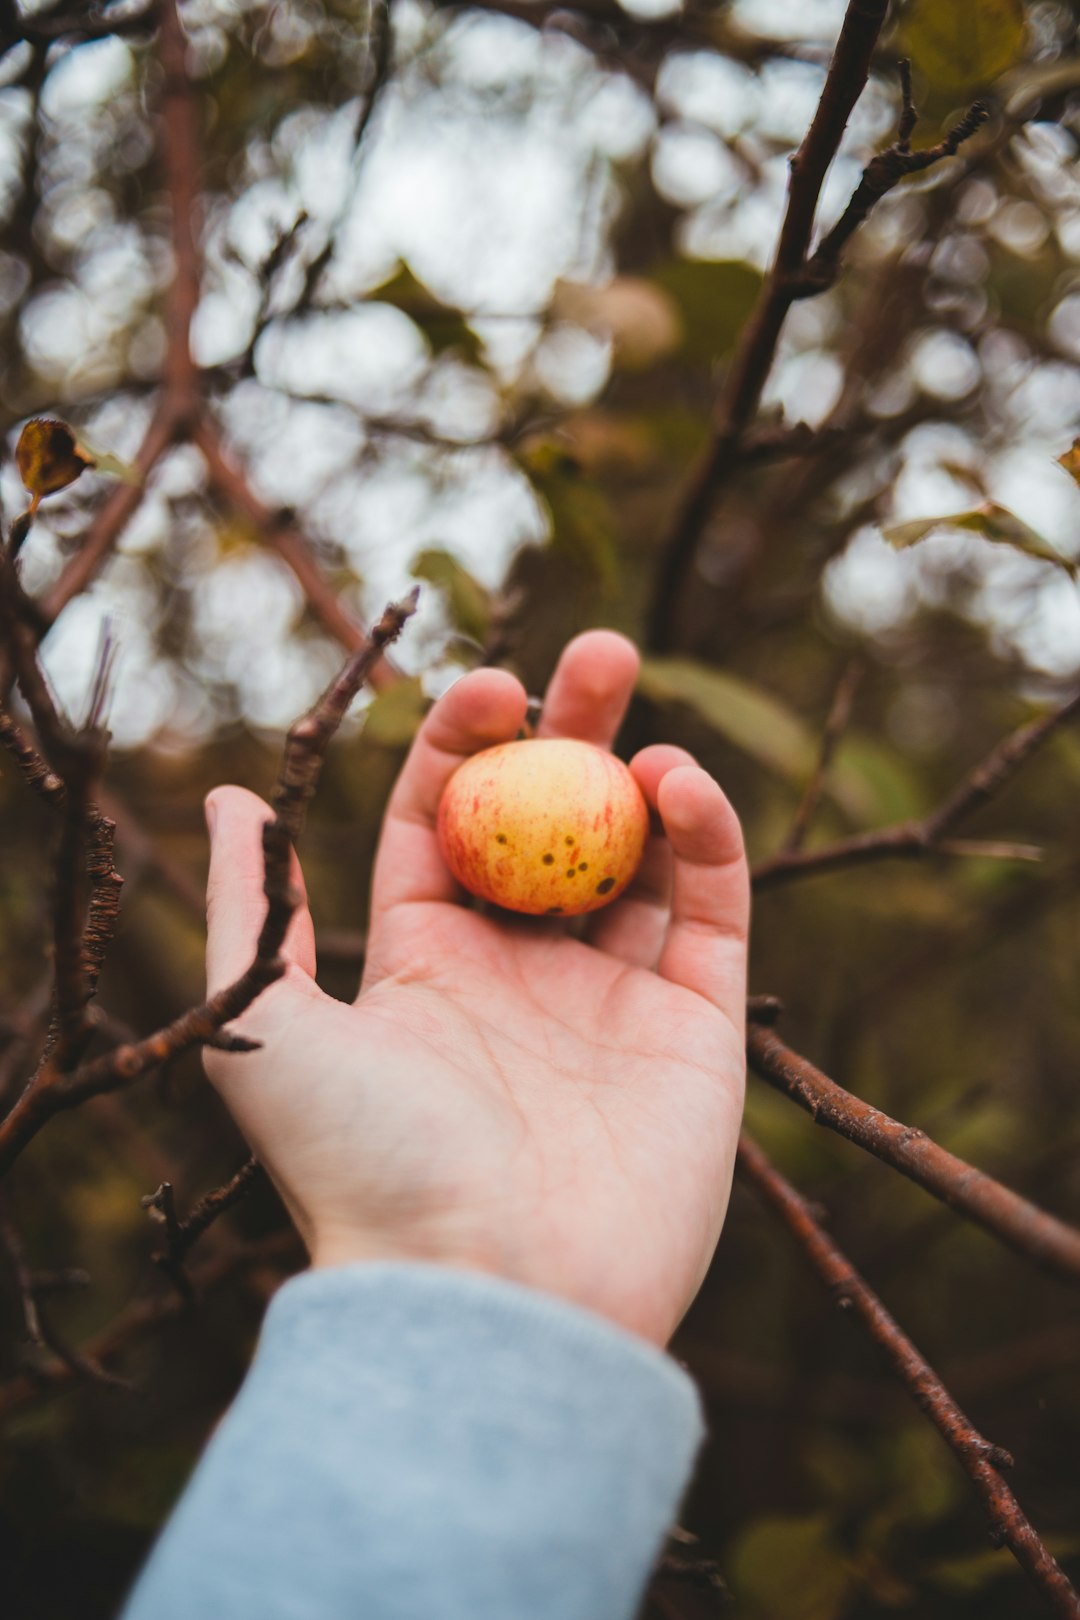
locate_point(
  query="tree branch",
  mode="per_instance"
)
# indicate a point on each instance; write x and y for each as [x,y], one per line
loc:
[52,1090]
[111,520]
[85,757]
[180,414]
[282,534]
[86,887]
[980,1460]
[752,362]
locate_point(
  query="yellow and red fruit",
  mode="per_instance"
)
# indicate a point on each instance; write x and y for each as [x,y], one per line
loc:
[547,826]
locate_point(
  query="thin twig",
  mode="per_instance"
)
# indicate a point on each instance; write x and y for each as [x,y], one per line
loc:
[1052,1244]
[380,45]
[161,1206]
[835,726]
[266,274]
[989,849]
[980,1460]
[40,1335]
[91,22]
[179,117]
[142,1316]
[215,1203]
[33,769]
[882,173]
[23,1278]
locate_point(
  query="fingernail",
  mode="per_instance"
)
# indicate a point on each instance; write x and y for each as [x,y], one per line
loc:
[210,812]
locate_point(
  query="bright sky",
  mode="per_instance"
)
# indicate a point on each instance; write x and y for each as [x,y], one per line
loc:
[493,179]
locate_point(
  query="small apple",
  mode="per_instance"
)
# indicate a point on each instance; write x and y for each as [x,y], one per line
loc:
[547,826]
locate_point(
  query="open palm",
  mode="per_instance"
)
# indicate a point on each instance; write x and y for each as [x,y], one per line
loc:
[504,1095]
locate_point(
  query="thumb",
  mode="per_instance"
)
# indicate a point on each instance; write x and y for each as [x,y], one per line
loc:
[235,903]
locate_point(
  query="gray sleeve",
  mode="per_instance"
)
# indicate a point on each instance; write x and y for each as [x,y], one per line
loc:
[418,1443]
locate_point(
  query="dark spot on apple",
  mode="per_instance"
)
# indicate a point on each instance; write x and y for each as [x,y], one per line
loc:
[553,911]
[605,886]
[570,872]
[583,866]
[549,860]
[500,838]
[569,838]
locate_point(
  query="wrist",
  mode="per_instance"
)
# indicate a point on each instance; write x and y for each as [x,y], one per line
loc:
[336,1247]
[339,1246]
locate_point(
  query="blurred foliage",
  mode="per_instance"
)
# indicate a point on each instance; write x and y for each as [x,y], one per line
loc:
[961,46]
[482,350]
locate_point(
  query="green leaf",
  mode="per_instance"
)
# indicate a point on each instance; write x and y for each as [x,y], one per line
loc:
[991,522]
[467,601]
[714,298]
[745,714]
[873,783]
[972,1571]
[582,522]
[962,44]
[394,716]
[791,1569]
[444,327]
[106,462]
[980,1130]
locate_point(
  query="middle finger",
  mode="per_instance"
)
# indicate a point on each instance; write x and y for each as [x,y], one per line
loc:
[590,691]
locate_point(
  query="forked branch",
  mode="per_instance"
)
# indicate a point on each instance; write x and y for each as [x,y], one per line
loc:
[181,1235]
[928,834]
[882,173]
[793,275]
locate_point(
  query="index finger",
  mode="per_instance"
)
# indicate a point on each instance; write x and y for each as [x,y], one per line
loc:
[482,709]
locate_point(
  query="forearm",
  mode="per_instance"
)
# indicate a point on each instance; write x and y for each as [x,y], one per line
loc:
[418,1442]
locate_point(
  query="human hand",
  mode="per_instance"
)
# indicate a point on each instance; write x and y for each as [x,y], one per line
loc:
[502,1095]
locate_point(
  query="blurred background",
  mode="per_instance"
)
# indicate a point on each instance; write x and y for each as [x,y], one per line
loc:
[466,294]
